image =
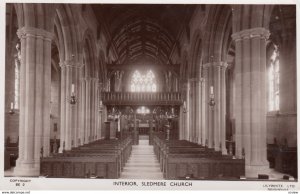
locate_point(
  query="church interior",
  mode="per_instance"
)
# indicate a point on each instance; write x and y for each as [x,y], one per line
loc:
[151,91]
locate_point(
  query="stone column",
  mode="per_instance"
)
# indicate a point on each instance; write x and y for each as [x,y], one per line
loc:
[82,103]
[99,112]
[77,109]
[183,134]
[69,76]
[223,67]
[35,83]
[203,112]
[251,98]
[135,131]
[198,112]
[207,73]
[94,108]
[87,111]
[181,123]
[214,72]
[188,113]
[193,110]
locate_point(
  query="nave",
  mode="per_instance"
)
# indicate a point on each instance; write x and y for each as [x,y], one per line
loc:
[212,85]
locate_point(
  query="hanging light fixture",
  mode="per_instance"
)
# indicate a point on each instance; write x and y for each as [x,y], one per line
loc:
[100,106]
[73,97]
[212,101]
[184,107]
[11,110]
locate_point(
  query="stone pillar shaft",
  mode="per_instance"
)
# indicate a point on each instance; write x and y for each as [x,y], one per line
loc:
[188,113]
[88,111]
[35,79]
[198,113]
[251,97]
[82,111]
[214,74]
[69,76]
[203,113]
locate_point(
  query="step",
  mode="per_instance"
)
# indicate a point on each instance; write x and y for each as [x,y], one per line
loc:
[141,170]
[155,176]
[141,162]
[150,165]
[143,159]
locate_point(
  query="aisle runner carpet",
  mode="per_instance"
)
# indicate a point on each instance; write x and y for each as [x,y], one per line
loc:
[142,163]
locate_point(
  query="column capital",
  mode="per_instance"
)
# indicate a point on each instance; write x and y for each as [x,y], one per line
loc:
[70,64]
[220,64]
[251,33]
[35,32]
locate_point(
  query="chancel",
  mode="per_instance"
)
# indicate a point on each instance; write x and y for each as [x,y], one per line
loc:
[146,91]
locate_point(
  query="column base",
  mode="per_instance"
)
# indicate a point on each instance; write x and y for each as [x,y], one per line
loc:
[60,151]
[27,169]
[252,171]
[224,151]
[217,149]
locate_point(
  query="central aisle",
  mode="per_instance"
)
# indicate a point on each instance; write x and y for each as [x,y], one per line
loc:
[142,163]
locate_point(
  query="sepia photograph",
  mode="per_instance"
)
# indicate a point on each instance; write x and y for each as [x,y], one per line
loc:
[149,96]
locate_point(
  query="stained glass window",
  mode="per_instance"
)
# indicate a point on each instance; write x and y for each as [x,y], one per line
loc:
[273,76]
[143,82]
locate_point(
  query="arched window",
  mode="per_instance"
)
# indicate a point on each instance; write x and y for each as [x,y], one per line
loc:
[143,83]
[273,79]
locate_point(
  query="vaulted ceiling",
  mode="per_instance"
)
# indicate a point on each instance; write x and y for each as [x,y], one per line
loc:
[146,31]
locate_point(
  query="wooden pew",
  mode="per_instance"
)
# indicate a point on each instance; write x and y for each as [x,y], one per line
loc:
[286,161]
[101,166]
[180,158]
[102,159]
[10,155]
[203,167]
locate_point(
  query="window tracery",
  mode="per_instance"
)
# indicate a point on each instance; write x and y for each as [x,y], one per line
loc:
[143,83]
